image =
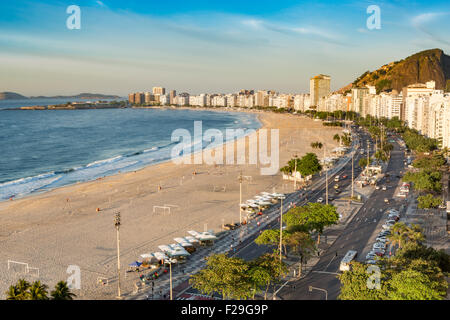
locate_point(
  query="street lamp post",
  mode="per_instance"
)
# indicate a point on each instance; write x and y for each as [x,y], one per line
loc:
[240,198]
[326,189]
[117,225]
[368,157]
[353,174]
[311,288]
[170,271]
[295,173]
[281,229]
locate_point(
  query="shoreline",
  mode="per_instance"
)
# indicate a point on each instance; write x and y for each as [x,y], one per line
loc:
[59,228]
[44,190]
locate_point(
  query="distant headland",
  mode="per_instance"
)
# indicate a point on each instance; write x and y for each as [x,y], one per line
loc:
[84,96]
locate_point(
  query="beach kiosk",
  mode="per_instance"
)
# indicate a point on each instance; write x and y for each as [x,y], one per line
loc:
[187,245]
[205,238]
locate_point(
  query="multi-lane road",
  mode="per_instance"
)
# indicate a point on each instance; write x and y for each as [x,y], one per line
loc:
[358,235]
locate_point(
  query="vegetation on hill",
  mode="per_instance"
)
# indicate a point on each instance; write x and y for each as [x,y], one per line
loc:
[417,68]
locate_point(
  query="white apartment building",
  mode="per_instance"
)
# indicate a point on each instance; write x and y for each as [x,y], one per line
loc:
[301,102]
[231,100]
[219,101]
[358,95]
[332,103]
[164,99]
[182,99]
[446,124]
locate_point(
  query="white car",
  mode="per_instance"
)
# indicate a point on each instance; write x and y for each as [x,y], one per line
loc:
[320,200]
[384,188]
[386,226]
[381,239]
[370,255]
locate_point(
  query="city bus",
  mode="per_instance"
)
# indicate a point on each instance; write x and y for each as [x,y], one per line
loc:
[345,263]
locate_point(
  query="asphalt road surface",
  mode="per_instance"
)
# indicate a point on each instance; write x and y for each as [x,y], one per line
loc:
[356,236]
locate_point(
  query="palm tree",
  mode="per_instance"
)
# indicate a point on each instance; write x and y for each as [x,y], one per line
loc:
[62,292]
[302,244]
[19,291]
[14,293]
[337,138]
[38,291]
[402,234]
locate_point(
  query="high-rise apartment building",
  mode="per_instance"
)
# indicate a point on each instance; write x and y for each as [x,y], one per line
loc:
[131,98]
[139,98]
[319,87]
[172,96]
[159,91]
[358,95]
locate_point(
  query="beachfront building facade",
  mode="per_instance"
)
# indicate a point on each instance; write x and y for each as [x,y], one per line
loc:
[319,87]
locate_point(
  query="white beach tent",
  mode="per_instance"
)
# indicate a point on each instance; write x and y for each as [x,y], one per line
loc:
[178,251]
[192,240]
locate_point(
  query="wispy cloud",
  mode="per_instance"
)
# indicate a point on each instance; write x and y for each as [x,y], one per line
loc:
[421,21]
[311,32]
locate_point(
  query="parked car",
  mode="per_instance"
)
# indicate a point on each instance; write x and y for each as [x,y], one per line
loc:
[320,200]
[384,188]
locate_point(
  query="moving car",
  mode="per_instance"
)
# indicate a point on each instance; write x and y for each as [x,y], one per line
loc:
[384,188]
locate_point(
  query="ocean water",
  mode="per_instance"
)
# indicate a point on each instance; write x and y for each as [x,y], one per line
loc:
[42,150]
[7,104]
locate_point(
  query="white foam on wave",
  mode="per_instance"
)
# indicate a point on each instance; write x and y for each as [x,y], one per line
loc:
[103,162]
[27,185]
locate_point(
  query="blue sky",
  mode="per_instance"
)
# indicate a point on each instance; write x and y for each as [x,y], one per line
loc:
[206,46]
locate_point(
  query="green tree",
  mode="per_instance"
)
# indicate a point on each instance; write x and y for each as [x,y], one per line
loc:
[354,284]
[410,284]
[265,271]
[402,234]
[271,237]
[302,244]
[19,291]
[313,217]
[309,164]
[428,201]
[38,291]
[337,138]
[226,276]
[363,162]
[62,292]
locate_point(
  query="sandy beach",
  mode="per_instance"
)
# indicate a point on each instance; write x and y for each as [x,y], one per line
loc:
[62,227]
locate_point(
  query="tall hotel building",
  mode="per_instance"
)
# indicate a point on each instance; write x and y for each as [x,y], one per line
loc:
[159,91]
[319,87]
